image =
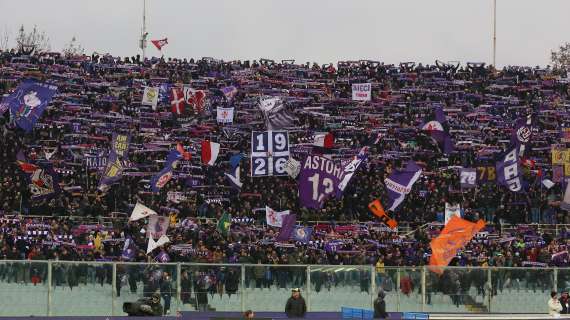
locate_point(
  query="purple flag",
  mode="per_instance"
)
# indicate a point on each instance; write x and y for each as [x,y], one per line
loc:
[350,168]
[509,171]
[468,178]
[318,180]
[118,158]
[437,128]
[400,183]
[287,227]
[129,249]
[522,133]
[28,103]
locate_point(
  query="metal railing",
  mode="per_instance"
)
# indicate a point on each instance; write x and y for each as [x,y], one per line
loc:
[59,288]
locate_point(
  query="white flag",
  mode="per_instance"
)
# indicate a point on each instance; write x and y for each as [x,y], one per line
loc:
[157,226]
[225,115]
[452,210]
[141,211]
[150,97]
[274,218]
[156,244]
[292,167]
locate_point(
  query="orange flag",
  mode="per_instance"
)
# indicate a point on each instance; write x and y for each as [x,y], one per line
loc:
[456,233]
[376,208]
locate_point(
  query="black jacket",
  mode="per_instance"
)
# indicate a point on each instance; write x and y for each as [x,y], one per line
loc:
[380,309]
[295,308]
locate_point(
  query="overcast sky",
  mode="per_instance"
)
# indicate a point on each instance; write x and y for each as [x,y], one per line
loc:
[317,30]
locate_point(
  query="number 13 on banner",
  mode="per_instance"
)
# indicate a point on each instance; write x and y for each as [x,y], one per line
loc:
[269,152]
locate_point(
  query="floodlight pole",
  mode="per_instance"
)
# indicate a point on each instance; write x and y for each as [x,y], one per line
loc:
[144,34]
[494,33]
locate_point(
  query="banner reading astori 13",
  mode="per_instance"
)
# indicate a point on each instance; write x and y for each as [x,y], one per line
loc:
[318,180]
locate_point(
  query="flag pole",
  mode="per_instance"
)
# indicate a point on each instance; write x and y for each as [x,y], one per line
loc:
[144,34]
[494,33]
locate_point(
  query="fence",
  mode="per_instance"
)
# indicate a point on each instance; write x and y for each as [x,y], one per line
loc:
[61,288]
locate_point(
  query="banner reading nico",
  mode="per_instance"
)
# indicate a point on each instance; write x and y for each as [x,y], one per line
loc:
[456,233]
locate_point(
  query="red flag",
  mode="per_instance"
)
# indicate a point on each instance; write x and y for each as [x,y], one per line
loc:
[177,103]
[195,98]
[160,43]
[210,151]
[185,154]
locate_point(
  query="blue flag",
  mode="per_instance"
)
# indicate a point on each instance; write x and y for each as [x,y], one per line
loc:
[28,103]
[159,180]
[234,174]
[302,234]
[43,182]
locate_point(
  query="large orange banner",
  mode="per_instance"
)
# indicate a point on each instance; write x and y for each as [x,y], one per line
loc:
[454,236]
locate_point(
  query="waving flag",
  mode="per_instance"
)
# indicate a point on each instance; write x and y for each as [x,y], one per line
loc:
[159,43]
[163,177]
[177,103]
[302,234]
[43,182]
[118,157]
[210,151]
[156,244]
[141,211]
[195,99]
[224,224]
[275,218]
[229,92]
[509,171]
[150,97]
[438,129]
[318,181]
[324,140]
[456,233]
[234,174]
[276,114]
[350,168]
[287,227]
[400,183]
[28,103]
[522,133]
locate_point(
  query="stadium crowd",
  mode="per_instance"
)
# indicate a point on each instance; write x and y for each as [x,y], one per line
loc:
[101,95]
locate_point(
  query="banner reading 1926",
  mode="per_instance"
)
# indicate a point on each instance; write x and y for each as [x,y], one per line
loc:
[269,152]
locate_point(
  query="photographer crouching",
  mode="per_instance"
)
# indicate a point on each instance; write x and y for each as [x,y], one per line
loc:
[144,307]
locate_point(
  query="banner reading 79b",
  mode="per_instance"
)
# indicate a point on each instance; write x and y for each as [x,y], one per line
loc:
[269,152]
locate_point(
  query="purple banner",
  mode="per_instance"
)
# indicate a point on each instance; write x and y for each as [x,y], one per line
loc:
[509,173]
[318,180]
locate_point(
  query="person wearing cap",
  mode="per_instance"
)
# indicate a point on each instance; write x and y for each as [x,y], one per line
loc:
[554,306]
[380,306]
[296,307]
